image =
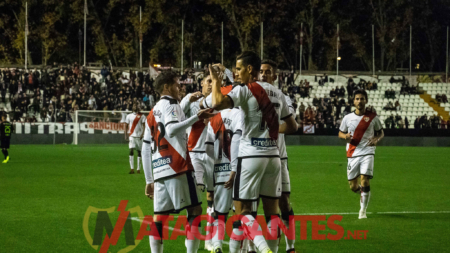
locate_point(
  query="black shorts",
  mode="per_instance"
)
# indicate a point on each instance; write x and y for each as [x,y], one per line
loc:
[5,143]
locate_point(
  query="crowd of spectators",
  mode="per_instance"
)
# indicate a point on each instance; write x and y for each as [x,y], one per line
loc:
[54,93]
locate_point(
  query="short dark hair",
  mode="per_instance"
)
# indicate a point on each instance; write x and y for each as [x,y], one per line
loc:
[362,92]
[273,64]
[250,58]
[166,77]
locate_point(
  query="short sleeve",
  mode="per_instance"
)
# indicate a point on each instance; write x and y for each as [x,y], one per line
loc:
[343,128]
[284,109]
[127,119]
[171,114]
[377,125]
[290,106]
[238,94]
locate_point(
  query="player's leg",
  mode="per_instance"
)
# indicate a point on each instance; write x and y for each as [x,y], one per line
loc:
[222,205]
[138,146]
[285,204]
[5,153]
[270,193]
[162,206]
[210,212]
[186,195]
[247,188]
[366,168]
[131,146]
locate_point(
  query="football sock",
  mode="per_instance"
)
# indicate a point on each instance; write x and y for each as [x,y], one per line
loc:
[5,153]
[139,163]
[365,196]
[209,226]
[258,240]
[235,242]
[192,243]
[219,234]
[132,162]
[156,243]
[251,246]
[273,244]
[290,244]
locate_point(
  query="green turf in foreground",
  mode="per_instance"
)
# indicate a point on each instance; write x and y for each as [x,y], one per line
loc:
[46,190]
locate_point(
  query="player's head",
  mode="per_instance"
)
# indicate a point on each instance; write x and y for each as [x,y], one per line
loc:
[167,84]
[206,85]
[248,65]
[136,108]
[360,99]
[268,71]
[3,117]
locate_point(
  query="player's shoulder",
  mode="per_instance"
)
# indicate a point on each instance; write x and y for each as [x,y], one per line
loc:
[349,116]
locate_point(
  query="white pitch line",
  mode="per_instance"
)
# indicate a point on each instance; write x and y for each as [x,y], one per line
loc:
[399,212]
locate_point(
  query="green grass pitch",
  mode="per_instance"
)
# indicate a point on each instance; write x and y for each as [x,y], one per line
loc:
[45,192]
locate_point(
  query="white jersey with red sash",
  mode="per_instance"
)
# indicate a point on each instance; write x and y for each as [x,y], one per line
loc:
[169,155]
[263,107]
[221,129]
[197,132]
[362,128]
[135,123]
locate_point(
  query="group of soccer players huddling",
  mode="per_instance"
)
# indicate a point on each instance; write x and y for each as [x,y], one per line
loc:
[229,141]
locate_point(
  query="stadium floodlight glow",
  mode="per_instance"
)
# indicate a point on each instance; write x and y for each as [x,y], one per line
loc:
[339,58]
[157,65]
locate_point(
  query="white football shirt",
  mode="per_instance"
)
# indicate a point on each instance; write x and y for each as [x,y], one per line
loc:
[362,128]
[261,124]
[135,123]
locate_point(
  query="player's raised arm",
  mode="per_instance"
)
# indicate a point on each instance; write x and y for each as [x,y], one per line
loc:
[219,101]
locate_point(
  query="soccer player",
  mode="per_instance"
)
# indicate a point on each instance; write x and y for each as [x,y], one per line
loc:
[6,129]
[224,133]
[171,183]
[362,130]
[190,105]
[268,74]
[135,124]
[259,168]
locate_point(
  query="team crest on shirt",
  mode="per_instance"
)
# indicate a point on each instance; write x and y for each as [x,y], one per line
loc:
[366,119]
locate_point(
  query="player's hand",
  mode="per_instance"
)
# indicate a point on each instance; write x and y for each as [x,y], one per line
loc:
[220,66]
[373,142]
[150,190]
[348,137]
[216,74]
[195,96]
[201,188]
[229,184]
[205,114]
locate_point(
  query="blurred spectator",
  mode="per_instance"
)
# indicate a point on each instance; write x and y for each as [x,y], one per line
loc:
[417,123]
[406,123]
[444,98]
[398,107]
[389,106]
[438,98]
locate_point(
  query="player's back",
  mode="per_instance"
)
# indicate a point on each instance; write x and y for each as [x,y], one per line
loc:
[6,130]
[221,129]
[263,106]
[169,155]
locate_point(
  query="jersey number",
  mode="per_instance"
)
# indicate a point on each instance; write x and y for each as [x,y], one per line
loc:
[158,146]
[224,142]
